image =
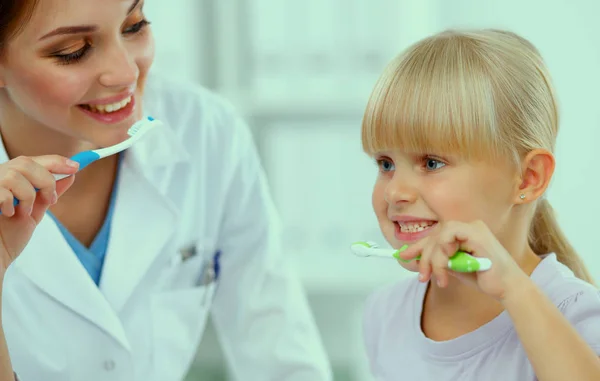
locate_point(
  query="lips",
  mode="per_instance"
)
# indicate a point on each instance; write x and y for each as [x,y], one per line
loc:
[110,113]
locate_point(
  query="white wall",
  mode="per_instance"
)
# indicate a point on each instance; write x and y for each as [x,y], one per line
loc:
[181,32]
[568,36]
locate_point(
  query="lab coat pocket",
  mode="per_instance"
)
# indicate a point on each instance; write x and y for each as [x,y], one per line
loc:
[179,318]
[186,269]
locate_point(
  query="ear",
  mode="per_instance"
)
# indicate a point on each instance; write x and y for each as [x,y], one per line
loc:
[537,169]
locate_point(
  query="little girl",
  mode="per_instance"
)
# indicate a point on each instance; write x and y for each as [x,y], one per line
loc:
[463,127]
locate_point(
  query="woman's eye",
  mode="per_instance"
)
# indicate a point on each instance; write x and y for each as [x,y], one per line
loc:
[73,57]
[385,165]
[433,164]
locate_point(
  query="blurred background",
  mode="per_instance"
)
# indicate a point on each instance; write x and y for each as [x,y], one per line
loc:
[301,73]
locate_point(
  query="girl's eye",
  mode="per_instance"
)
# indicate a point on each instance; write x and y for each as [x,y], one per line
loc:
[137,27]
[385,165]
[432,164]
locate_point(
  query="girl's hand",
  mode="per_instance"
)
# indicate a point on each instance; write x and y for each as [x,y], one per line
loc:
[474,238]
[18,178]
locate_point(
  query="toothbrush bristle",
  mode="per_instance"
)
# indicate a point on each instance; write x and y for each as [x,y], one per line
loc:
[361,251]
[138,126]
[134,129]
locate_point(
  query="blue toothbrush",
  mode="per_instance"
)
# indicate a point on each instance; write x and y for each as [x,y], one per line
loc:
[86,158]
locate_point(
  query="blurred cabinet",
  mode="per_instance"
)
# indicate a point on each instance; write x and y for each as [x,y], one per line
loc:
[312,57]
[182,32]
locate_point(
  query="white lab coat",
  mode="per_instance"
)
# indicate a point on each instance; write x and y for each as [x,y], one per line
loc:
[196,183]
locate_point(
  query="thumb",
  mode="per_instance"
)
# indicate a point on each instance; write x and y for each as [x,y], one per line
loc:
[408,253]
[57,164]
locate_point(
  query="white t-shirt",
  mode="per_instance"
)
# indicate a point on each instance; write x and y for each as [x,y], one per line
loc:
[398,350]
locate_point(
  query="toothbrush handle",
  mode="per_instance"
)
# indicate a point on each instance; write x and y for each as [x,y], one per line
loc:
[461,262]
[466,263]
[84,159]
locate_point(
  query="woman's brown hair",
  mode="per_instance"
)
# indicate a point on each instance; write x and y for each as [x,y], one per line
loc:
[14,14]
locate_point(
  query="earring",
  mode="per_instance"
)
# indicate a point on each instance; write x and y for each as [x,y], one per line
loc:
[522,196]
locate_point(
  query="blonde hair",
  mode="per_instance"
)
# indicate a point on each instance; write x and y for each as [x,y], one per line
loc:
[484,93]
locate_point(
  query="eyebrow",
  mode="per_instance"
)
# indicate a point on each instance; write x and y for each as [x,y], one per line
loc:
[82,28]
[133,6]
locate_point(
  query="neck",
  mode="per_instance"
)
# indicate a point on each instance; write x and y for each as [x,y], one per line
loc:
[28,139]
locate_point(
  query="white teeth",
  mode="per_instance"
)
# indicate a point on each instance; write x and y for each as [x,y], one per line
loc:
[415,227]
[102,109]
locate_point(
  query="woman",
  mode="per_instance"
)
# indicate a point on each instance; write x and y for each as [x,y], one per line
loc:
[113,280]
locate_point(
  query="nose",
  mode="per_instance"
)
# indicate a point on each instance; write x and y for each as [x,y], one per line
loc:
[400,190]
[120,69]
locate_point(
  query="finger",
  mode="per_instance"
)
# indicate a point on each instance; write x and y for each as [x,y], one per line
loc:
[449,248]
[20,187]
[38,171]
[410,265]
[41,207]
[36,175]
[63,185]
[411,252]
[439,265]
[425,262]
[6,203]
[57,164]
[452,232]
[407,261]
[455,237]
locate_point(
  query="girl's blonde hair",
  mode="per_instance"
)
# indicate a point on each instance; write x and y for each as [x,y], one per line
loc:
[484,93]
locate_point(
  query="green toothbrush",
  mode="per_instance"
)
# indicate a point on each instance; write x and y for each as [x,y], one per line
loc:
[460,262]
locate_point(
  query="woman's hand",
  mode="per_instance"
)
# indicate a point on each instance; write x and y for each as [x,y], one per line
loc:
[474,238]
[18,178]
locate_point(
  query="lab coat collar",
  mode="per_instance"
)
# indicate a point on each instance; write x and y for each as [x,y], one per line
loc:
[46,260]
[143,221]
[145,217]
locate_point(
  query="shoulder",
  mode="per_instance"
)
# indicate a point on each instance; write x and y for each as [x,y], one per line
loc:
[191,109]
[581,306]
[203,121]
[162,91]
[563,287]
[578,300]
